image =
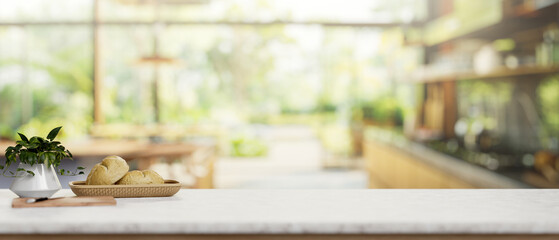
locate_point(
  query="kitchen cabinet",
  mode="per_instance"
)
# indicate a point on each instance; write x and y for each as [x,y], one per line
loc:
[390,167]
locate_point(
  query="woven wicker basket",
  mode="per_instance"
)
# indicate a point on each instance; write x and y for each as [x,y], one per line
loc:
[126,191]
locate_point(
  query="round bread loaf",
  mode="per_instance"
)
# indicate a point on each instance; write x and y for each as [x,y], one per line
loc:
[110,170]
[141,177]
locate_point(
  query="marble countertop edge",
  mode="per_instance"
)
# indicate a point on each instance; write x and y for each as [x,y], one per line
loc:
[286,228]
[520,211]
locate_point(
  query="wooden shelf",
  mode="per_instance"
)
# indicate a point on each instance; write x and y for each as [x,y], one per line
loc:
[495,74]
[509,25]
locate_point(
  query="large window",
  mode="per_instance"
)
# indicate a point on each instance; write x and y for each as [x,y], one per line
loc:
[45,78]
[187,61]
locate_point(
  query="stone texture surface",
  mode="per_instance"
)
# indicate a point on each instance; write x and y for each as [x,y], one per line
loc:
[300,211]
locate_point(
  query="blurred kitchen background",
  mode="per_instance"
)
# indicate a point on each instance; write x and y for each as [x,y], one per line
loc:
[291,93]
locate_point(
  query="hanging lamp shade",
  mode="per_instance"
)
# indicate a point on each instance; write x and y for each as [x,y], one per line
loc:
[152,60]
[167,2]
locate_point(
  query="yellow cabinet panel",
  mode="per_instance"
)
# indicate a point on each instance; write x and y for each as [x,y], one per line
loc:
[389,167]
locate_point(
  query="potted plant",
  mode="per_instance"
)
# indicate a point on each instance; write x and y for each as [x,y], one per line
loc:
[38,158]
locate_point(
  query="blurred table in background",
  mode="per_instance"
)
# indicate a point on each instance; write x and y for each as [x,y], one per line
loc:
[197,159]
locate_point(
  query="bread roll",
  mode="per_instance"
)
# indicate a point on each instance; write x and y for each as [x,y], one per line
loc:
[110,170]
[141,177]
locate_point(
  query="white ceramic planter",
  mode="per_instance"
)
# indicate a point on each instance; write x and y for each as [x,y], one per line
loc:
[44,184]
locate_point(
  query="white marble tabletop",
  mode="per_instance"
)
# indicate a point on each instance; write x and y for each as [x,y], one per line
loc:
[401,211]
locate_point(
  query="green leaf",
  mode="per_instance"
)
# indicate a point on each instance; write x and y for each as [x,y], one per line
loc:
[81,168]
[31,172]
[10,153]
[20,169]
[23,137]
[42,156]
[1,167]
[53,133]
[23,156]
[56,146]
[10,149]
[11,159]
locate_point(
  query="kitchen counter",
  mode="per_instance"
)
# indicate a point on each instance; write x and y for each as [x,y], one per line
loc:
[343,214]
[476,175]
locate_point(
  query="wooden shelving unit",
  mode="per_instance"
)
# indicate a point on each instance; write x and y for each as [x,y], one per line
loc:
[519,21]
[525,25]
[440,107]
